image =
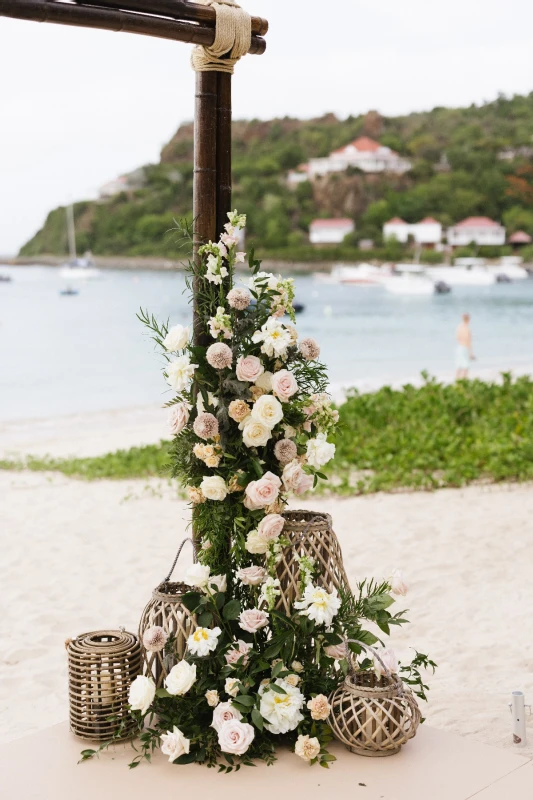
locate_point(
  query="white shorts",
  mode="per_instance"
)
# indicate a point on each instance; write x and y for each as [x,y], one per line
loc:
[462,357]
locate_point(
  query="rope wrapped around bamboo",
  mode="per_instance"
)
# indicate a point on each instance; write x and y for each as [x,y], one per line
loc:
[233,37]
[101,668]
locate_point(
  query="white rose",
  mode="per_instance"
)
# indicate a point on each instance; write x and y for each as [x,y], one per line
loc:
[224,712]
[398,584]
[267,410]
[212,698]
[235,737]
[176,338]
[319,451]
[265,381]
[180,678]
[231,687]
[197,575]
[220,581]
[255,543]
[179,373]
[174,744]
[213,487]
[141,694]
[255,433]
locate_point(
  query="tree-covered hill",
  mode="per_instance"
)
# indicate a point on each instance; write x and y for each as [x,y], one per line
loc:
[466,161]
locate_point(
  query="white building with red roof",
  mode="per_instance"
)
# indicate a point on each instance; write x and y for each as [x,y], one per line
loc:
[363,153]
[479,230]
[330,231]
[427,232]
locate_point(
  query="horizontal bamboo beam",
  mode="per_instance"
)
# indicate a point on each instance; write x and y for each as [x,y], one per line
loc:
[114,20]
[176,9]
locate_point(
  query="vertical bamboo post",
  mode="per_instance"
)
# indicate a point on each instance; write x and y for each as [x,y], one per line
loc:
[205,180]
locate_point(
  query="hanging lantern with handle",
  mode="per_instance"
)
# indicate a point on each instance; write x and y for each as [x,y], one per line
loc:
[165,625]
[371,715]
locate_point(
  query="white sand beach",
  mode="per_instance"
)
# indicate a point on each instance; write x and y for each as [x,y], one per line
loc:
[81,556]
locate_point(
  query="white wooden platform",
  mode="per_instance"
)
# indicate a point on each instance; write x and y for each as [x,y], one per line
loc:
[434,766]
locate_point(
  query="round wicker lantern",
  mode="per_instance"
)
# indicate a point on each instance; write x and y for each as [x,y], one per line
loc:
[166,611]
[101,668]
[373,716]
[310,534]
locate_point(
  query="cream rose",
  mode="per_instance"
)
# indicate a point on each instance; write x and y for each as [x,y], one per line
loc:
[141,694]
[252,620]
[178,417]
[284,385]
[249,368]
[267,410]
[264,381]
[174,744]
[235,737]
[180,678]
[295,479]
[252,576]
[213,487]
[255,433]
[220,581]
[231,687]
[319,707]
[263,492]
[176,338]
[270,527]
[307,747]
[197,575]
[224,712]
[212,698]
[238,410]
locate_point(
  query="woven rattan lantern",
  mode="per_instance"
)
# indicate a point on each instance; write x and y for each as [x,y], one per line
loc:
[165,610]
[373,716]
[310,534]
[101,668]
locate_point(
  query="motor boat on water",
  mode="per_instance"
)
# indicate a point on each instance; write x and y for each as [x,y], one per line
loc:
[76,267]
[510,269]
[360,274]
[414,280]
[463,276]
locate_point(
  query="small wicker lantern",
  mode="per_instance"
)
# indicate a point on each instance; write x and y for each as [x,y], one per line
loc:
[166,611]
[101,668]
[373,716]
[310,534]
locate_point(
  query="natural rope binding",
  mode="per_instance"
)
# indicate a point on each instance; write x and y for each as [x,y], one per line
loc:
[233,37]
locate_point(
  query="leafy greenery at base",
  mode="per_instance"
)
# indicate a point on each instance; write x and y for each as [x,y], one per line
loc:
[425,437]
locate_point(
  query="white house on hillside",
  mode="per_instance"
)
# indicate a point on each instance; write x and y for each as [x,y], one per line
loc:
[330,231]
[298,175]
[480,230]
[364,153]
[427,232]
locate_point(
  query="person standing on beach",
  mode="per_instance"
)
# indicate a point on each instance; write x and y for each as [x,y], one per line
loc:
[464,354]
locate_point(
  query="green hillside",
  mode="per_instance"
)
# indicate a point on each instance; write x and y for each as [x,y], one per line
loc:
[466,161]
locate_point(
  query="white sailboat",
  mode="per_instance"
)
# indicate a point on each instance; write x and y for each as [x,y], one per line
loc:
[76,267]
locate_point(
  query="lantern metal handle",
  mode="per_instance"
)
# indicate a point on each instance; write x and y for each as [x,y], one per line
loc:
[180,548]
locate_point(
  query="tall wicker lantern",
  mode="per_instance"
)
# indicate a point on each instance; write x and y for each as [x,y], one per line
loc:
[166,611]
[310,534]
[101,668]
[373,716]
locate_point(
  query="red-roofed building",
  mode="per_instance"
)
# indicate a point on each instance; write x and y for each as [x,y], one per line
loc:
[519,238]
[477,230]
[330,231]
[363,153]
[427,232]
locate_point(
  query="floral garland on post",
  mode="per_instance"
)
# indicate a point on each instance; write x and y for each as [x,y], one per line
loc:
[252,423]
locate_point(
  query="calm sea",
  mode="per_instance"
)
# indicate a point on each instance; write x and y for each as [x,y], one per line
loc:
[61,355]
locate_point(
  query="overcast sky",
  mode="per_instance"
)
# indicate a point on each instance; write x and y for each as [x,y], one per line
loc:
[78,107]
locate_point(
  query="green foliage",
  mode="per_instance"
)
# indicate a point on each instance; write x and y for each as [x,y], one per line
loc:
[478,182]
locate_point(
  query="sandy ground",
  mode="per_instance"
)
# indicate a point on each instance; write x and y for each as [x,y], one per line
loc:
[80,556]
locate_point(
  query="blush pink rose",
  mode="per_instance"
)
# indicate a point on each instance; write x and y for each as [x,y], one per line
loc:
[239,650]
[235,737]
[336,651]
[252,620]
[295,479]
[284,385]
[178,417]
[224,712]
[263,492]
[270,527]
[249,368]
[252,576]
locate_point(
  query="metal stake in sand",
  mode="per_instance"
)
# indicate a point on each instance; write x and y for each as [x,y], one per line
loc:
[518,712]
